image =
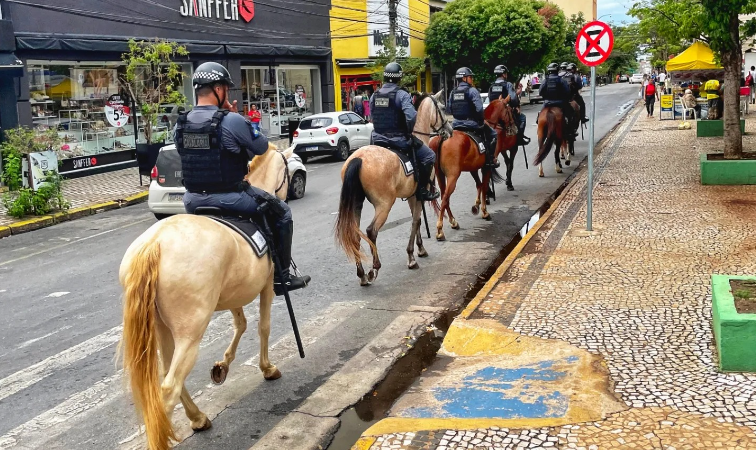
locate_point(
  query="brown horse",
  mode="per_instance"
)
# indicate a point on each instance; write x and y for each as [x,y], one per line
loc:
[499,116]
[376,174]
[551,131]
[461,154]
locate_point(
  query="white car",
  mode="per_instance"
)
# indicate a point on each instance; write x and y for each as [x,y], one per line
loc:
[636,78]
[484,97]
[333,133]
[166,192]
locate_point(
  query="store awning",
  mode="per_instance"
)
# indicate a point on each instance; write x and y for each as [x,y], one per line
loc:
[696,57]
[11,65]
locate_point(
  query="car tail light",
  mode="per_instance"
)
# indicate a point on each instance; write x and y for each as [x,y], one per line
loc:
[296,133]
[154,173]
[332,130]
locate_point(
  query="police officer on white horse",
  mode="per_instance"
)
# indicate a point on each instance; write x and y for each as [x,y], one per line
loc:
[501,88]
[216,144]
[393,122]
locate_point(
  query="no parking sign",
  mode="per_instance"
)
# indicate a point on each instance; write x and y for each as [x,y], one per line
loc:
[594,43]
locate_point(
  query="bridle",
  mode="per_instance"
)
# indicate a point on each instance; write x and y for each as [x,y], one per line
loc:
[437,131]
[285,178]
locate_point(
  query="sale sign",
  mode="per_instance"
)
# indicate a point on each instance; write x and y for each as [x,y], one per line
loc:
[116,112]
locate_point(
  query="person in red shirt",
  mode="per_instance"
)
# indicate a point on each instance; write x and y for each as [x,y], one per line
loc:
[254,117]
[651,96]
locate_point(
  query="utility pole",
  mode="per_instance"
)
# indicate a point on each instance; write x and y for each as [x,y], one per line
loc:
[392,27]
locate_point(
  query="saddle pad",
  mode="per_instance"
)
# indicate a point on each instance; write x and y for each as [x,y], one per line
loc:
[248,230]
[406,160]
[476,138]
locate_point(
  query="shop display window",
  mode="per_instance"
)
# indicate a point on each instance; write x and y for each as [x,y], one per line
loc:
[71,98]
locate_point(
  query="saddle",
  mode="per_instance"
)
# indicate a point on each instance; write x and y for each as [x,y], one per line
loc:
[409,168]
[476,134]
[241,224]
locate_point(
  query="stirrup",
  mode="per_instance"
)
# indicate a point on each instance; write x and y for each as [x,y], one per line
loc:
[426,196]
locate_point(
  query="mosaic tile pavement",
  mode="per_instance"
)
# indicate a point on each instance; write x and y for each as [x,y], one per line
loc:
[637,294]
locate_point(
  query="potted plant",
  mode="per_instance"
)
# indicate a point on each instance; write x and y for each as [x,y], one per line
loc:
[733,306]
[150,79]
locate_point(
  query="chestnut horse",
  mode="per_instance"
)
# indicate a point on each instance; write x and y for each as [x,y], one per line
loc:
[552,131]
[460,154]
[174,276]
[376,174]
[499,116]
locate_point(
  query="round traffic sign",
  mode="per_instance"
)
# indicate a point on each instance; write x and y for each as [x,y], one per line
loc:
[594,43]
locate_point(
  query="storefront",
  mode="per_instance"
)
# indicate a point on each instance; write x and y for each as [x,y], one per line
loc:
[279,58]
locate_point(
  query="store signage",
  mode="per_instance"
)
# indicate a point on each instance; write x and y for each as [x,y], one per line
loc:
[219,9]
[299,96]
[402,40]
[666,102]
[116,112]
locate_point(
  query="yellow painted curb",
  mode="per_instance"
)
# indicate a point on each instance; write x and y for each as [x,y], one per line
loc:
[104,206]
[72,214]
[30,224]
[5,231]
[394,425]
[136,197]
[364,443]
[513,255]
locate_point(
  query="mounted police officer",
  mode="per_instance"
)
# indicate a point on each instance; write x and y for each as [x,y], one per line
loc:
[216,145]
[572,68]
[466,106]
[393,122]
[555,91]
[501,88]
[563,68]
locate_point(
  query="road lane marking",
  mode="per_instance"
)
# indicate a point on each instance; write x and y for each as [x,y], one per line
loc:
[57,294]
[73,242]
[31,341]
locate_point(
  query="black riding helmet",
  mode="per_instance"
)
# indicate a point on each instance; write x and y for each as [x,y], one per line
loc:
[392,72]
[464,72]
[571,67]
[500,69]
[209,74]
[553,68]
[563,66]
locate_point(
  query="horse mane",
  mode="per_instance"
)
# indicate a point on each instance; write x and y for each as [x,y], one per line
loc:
[260,160]
[419,97]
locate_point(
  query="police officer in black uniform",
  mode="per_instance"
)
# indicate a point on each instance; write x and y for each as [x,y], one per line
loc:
[466,106]
[555,91]
[571,68]
[501,88]
[215,147]
[563,68]
[393,122]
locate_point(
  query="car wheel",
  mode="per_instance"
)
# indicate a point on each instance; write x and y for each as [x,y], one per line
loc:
[297,185]
[342,153]
[162,216]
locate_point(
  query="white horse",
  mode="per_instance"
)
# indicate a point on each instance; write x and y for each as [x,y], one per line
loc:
[174,276]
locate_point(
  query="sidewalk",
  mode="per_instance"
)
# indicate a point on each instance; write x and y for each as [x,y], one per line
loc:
[600,340]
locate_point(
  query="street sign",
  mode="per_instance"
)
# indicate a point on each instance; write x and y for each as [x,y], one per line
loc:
[594,43]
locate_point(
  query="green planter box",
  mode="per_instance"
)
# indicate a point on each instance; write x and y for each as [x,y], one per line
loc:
[714,128]
[735,334]
[730,171]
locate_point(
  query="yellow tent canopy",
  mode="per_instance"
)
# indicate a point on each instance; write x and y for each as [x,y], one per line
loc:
[696,57]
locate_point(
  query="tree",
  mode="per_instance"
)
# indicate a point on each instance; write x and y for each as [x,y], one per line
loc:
[412,68]
[480,34]
[566,52]
[623,56]
[150,79]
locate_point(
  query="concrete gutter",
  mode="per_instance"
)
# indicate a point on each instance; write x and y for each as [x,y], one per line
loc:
[36,223]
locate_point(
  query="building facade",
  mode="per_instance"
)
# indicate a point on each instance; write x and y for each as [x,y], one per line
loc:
[570,7]
[359,30]
[278,54]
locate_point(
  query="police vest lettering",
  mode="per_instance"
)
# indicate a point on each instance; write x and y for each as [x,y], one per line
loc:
[206,166]
[497,88]
[388,117]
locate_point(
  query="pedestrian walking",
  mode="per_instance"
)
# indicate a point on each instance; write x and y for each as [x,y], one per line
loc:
[651,96]
[751,83]
[662,79]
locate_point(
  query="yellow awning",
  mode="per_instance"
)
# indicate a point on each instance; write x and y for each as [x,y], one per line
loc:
[696,57]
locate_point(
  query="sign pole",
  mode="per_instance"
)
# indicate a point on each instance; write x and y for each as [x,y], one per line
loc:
[591,126]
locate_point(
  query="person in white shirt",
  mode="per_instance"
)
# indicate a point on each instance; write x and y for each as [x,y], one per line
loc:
[662,78]
[752,72]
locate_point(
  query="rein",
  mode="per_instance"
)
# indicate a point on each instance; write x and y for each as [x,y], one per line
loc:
[286,173]
[437,131]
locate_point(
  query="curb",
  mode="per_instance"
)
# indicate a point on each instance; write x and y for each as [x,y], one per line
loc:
[36,223]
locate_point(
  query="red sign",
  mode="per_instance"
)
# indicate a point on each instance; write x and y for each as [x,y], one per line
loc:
[594,43]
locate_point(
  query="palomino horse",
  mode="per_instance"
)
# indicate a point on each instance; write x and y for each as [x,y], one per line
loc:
[168,303]
[376,173]
[460,154]
[499,116]
[551,131]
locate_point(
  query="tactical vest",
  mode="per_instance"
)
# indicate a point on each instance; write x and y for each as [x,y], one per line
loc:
[570,80]
[498,90]
[205,166]
[462,106]
[554,88]
[388,117]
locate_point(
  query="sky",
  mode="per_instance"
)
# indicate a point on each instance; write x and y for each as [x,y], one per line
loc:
[617,9]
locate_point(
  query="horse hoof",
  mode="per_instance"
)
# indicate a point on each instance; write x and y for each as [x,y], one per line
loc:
[510,188]
[206,425]
[455,226]
[488,201]
[364,281]
[372,275]
[218,373]
[413,265]
[274,376]
[486,216]
[561,156]
[559,170]
[567,163]
[422,253]
[540,175]
[440,237]
[475,210]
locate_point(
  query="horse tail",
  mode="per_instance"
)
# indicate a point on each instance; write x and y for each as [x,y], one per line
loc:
[140,345]
[347,228]
[545,147]
[496,176]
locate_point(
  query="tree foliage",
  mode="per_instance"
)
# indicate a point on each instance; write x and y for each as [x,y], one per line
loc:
[566,52]
[412,68]
[480,34]
[624,54]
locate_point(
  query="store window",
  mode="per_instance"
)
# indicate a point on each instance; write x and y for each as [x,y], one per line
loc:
[281,94]
[72,97]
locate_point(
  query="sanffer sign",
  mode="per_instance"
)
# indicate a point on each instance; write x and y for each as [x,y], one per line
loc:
[219,9]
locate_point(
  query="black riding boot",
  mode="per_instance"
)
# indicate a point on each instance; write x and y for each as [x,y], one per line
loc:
[423,180]
[283,236]
[521,138]
[490,143]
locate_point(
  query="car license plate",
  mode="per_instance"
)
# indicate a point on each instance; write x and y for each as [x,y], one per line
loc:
[311,149]
[175,197]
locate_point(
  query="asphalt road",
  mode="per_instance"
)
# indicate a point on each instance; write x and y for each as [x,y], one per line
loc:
[60,387]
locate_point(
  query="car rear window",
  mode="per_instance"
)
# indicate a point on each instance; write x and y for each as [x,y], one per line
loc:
[319,122]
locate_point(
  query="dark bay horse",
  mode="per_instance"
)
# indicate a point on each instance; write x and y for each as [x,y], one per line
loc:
[551,132]
[498,115]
